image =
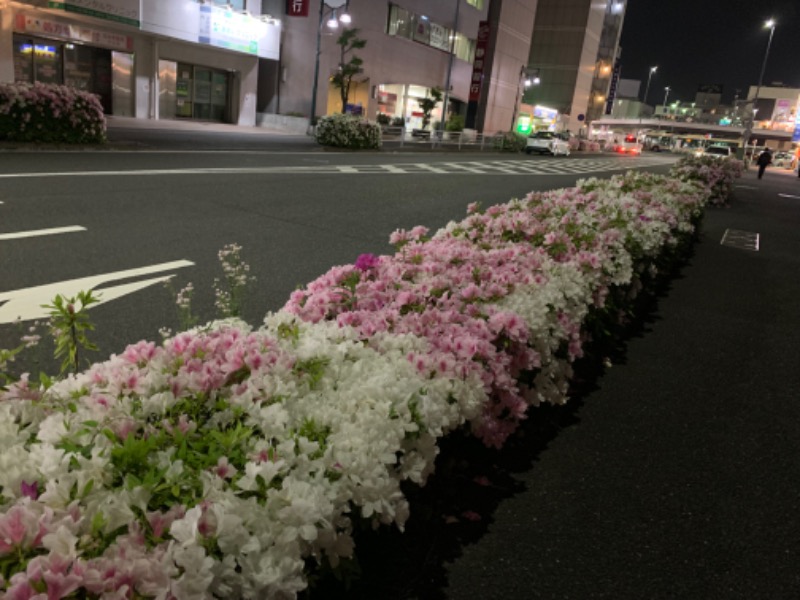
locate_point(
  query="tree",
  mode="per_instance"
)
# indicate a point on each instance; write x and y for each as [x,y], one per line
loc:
[348,67]
[427,104]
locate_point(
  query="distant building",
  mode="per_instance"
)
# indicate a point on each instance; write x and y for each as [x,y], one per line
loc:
[628,89]
[775,108]
[708,96]
[630,108]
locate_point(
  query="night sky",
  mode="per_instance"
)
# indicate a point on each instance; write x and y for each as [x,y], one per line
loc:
[696,42]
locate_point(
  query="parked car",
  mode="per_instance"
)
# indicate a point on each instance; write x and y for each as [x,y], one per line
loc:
[547,142]
[717,152]
[785,160]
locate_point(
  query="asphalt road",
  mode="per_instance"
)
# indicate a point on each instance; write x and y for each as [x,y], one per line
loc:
[150,213]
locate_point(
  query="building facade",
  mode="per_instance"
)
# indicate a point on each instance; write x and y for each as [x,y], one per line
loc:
[409,44]
[147,59]
[214,60]
[776,107]
[575,48]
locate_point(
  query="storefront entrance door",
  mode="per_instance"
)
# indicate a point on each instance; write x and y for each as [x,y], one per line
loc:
[199,93]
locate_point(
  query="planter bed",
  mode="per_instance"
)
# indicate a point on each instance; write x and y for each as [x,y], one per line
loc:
[230,462]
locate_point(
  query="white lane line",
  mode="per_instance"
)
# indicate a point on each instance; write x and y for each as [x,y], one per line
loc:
[26,303]
[213,171]
[37,232]
[787,196]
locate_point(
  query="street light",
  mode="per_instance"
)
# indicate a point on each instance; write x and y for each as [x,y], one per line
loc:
[748,130]
[442,121]
[666,95]
[647,87]
[332,23]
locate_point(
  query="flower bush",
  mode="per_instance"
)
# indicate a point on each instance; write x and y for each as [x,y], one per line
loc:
[227,462]
[510,141]
[51,114]
[348,131]
[716,174]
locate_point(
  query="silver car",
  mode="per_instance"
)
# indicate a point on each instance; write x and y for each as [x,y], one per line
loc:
[718,152]
[785,160]
[547,142]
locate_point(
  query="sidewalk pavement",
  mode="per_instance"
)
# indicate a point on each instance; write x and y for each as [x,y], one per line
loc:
[676,477]
[115,122]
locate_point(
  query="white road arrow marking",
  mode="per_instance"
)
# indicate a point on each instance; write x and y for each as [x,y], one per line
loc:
[37,232]
[25,304]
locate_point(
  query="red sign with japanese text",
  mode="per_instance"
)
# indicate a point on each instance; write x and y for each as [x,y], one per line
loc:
[297,8]
[478,65]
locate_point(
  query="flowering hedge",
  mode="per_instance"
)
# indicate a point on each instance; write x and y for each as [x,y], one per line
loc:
[716,174]
[50,113]
[226,462]
[348,131]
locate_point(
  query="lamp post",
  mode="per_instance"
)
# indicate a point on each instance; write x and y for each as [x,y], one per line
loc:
[442,123]
[647,87]
[332,23]
[666,95]
[748,130]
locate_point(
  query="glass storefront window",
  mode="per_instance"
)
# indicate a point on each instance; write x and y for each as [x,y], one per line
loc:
[37,60]
[422,29]
[464,48]
[219,95]
[183,91]
[23,60]
[399,22]
[47,62]
[406,24]
[199,92]
[78,66]
[202,93]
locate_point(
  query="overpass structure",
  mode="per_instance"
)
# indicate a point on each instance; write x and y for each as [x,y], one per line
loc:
[720,132]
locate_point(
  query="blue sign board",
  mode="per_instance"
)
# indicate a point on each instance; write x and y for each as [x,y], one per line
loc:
[796,135]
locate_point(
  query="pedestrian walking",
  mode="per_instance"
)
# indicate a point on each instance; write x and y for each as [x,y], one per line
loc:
[764,159]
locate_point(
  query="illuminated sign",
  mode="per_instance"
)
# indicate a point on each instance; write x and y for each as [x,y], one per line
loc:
[227,29]
[542,112]
[297,8]
[478,65]
[796,135]
[67,31]
[524,124]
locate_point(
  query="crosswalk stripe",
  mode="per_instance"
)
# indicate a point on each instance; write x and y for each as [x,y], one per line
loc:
[492,167]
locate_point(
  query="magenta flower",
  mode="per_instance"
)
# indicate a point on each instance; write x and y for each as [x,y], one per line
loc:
[365,262]
[31,490]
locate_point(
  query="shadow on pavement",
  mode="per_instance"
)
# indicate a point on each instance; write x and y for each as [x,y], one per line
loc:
[457,506]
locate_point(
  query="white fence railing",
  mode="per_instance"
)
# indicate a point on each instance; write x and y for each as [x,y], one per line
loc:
[461,140]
